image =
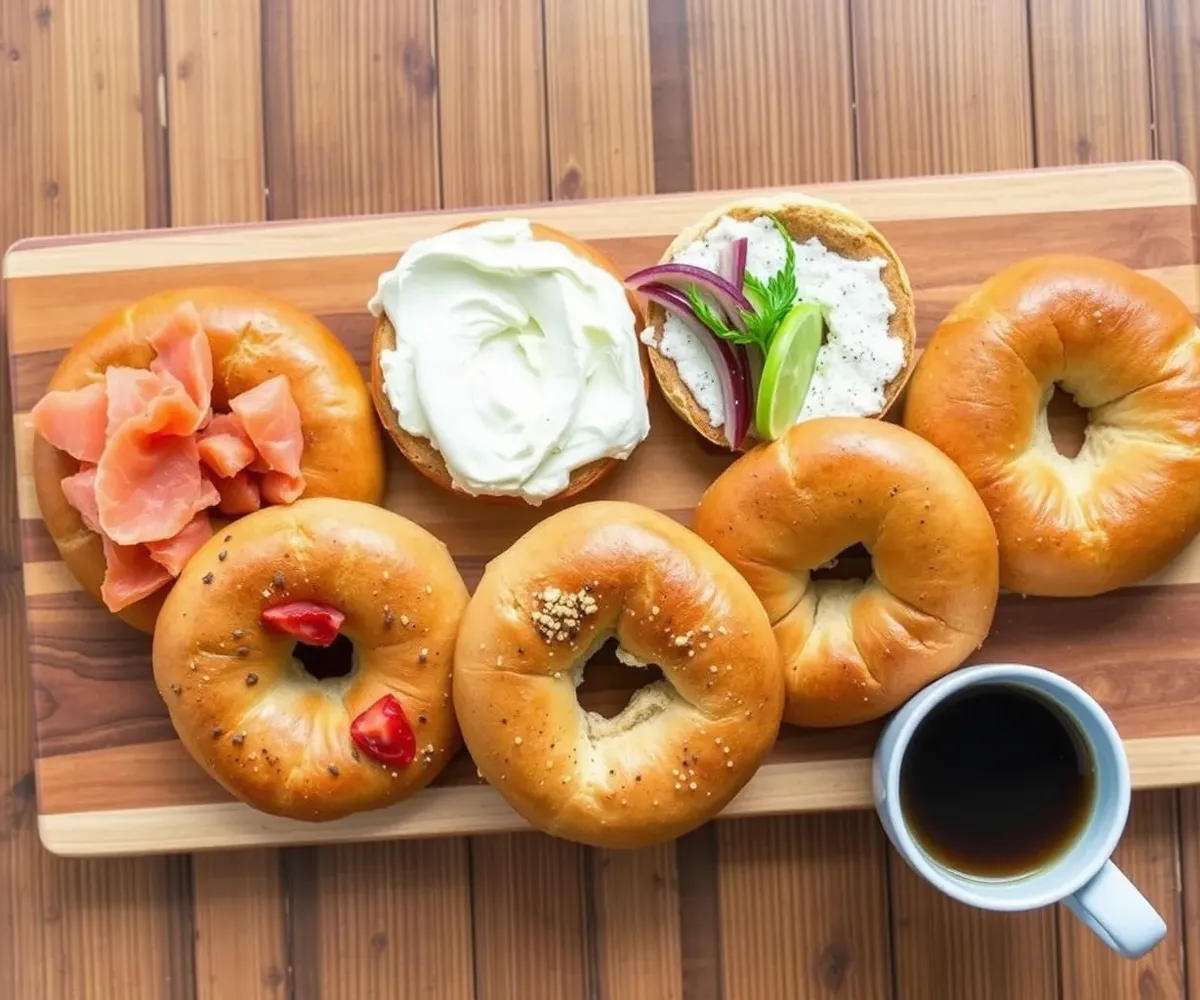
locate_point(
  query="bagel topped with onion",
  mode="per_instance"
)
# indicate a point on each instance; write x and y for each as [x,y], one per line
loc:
[506,361]
[771,311]
[181,411]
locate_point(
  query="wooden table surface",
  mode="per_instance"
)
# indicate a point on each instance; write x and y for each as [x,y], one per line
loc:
[118,114]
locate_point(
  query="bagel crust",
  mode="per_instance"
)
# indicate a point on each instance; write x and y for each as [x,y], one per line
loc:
[253,338]
[419,451]
[841,231]
[854,651]
[683,746]
[1127,349]
[251,715]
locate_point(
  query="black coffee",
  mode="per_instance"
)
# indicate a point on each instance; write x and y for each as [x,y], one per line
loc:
[996,782]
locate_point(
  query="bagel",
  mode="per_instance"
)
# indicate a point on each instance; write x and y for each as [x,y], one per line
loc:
[684,745]
[253,338]
[804,217]
[1127,349]
[854,651]
[250,713]
[421,451]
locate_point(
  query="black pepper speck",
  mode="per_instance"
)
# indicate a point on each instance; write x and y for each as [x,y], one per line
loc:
[207,578]
[251,680]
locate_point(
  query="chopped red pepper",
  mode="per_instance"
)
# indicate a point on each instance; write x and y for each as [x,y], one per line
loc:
[383,732]
[316,624]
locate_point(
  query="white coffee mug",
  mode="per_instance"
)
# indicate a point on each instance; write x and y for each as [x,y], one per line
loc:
[1082,876]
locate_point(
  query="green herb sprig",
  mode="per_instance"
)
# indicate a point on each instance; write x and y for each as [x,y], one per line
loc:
[771,301]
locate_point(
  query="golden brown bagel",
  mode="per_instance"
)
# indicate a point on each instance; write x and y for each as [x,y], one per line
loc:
[853,651]
[682,747]
[253,338]
[425,458]
[1127,349]
[841,231]
[271,733]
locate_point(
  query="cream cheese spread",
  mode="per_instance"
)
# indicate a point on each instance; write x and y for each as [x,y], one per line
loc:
[858,358]
[515,358]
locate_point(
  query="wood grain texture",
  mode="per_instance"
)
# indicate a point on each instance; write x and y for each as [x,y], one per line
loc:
[1091,80]
[671,95]
[1148,854]
[74,156]
[598,98]
[941,86]
[240,932]
[1189,871]
[92,676]
[351,107]
[529,907]
[804,908]
[637,924]
[215,125]
[1174,29]
[381,921]
[945,949]
[492,102]
[770,92]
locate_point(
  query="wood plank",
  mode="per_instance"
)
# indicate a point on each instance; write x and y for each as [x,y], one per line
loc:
[492,87]
[240,934]
[637,924]
[804,908]
[529,913]
[1149,855]
[74,156]
[215,121]
[770,92]
[962,105]
[671,95]
[1174,28]
[351,107]
[1091,80]
[598,98]
[1189,848]
[699,913]
[945,949]
[382,920]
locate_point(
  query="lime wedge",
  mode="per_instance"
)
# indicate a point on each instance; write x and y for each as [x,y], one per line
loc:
[788,370]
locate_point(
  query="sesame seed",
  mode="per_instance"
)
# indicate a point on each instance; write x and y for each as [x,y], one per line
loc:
[654,609]
[692,786]
[729,763]
[428,589]
[719,741]
[499,661]
[423,655]
[404,620]
[678,786]
[712,669]
[518,741]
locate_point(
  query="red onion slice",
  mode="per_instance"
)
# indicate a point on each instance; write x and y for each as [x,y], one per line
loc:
[729,299]
[732,262]
[728,360]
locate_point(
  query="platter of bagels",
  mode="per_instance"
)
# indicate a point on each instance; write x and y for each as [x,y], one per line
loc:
[600,518]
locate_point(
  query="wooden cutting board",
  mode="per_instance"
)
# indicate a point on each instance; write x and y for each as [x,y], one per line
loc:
[111,776]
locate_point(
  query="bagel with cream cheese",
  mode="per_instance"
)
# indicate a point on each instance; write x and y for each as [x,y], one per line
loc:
[854,651]
[684,745]
[252,339]
[1128,351]
[227,648]
[861,366]
[420,448]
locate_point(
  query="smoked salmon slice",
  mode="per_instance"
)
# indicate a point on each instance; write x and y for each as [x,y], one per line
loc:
[239,494]
[154,457]
[148,486]
[225,447]
[80,491]
[130,575]
[272,421]
[73,420]
[182,350]
[278,488]
[173,553]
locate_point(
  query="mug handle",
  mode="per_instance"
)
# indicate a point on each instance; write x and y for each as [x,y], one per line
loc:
[1118,914]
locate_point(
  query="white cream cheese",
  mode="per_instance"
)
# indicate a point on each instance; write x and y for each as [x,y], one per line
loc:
[514,357]
[858,358]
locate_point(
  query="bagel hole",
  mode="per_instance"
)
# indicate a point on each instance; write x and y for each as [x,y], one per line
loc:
[608,683]
[853,563]
[326,663]
[1068,422]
